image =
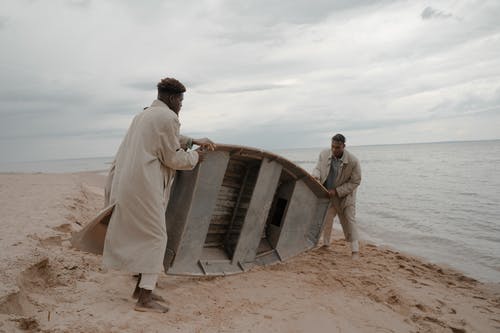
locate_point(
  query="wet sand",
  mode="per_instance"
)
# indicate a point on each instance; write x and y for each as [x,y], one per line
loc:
[46,286]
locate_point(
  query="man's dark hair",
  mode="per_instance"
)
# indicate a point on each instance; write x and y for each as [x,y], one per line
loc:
[339,138]
[170,86]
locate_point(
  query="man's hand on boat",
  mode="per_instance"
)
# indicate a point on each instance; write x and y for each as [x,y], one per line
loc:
[205,143]
[201,154]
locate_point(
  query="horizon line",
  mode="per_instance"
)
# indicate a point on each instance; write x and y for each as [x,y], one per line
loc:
[269,149]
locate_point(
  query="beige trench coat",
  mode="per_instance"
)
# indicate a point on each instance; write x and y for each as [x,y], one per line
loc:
[347,180]
[138,187]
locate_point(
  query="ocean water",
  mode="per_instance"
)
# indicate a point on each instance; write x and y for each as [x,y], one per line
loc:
[58,166]
[439,201]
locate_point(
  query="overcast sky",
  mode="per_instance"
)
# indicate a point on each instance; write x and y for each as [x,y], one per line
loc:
[269,74]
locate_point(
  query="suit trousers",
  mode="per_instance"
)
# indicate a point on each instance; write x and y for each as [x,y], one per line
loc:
[148,281]
[347,217]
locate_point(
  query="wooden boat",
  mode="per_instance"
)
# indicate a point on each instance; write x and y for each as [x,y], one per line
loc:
[239,208]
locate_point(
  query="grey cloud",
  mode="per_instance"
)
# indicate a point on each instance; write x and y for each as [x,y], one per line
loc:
[32,100]
[46,122]
[250,34]
[339,123]
[307,133]
[260,12]
[430,13]
[198,86]
[79,3]
[242,89]
[148,11]
[150,85]
[141,85]
[232,53]
[67,134]
[3,22]
[267,20]
[42,95]
[271,12]
[123,107]
[468,104]
[16,113]
[299,133]
[301,130]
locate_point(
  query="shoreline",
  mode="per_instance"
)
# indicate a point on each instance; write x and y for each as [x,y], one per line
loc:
[94,177]
[46,285]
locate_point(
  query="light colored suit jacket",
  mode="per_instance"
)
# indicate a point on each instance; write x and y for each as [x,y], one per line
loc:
[348,178]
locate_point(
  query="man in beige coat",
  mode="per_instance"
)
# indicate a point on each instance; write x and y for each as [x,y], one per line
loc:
[139,187]
[339,171]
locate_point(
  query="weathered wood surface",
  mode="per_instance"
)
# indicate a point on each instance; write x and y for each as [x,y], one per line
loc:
[239,208]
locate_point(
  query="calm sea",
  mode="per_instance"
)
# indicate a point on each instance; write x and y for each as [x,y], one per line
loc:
[440,201]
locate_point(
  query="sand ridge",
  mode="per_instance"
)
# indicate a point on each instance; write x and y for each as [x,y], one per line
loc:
[46,286]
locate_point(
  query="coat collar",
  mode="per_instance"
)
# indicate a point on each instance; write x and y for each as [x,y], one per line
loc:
[161,104]
[344,158]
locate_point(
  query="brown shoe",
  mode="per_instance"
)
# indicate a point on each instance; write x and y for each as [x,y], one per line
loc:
[145,303]
[137,291]
[154,296]
[151,307]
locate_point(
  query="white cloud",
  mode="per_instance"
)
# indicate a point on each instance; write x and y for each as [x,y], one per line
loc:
[269,74]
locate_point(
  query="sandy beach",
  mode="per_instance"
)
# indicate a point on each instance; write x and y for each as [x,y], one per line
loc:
[46,286]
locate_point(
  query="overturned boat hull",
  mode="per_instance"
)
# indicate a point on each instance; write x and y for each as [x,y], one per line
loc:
[241,207]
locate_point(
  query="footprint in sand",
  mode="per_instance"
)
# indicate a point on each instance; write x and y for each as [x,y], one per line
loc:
[422,307]
[27,323]
[65,227]
[51,241]
[35,278]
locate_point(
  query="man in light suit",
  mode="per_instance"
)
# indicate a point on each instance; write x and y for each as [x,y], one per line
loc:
[339,171]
